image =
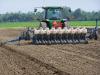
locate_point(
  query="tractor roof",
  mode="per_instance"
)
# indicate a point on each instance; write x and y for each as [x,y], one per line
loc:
[52,7]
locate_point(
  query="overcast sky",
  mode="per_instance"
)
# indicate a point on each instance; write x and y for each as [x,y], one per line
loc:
[28,5]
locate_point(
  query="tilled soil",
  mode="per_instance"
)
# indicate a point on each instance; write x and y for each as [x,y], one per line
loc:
[12,63]
[69,59]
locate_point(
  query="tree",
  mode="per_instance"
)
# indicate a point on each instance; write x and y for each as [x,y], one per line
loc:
[66,12]
[77,14]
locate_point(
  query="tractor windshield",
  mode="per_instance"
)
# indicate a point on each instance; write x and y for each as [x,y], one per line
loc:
[54,14]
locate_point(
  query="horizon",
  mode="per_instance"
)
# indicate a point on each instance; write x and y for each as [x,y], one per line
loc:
[25,6]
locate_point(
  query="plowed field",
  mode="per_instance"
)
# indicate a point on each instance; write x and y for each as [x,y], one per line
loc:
[66,59]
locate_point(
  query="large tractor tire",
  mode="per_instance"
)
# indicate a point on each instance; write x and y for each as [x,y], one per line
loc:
[43,25]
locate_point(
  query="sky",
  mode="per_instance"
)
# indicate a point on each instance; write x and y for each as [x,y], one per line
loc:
[28,5]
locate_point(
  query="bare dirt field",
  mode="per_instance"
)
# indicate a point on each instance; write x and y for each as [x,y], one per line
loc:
[67,59]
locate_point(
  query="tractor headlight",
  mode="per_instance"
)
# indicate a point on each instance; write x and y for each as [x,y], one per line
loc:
[47,19]
[65,20]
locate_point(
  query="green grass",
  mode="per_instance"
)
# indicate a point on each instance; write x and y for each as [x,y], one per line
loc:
[18,24]
[84,23]
[36,24]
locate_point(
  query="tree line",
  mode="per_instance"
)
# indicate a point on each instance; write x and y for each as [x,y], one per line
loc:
[78,14]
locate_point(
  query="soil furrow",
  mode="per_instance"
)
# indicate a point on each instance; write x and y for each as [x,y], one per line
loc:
[65,50]
[47,66]
[12,63]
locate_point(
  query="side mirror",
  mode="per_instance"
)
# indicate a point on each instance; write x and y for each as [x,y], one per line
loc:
[70,10]
[35,10]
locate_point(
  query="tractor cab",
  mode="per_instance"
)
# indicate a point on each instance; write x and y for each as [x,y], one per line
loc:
[53,13]
[53,17]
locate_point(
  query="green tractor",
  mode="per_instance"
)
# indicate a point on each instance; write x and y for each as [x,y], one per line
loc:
[53,17]
[55,29]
